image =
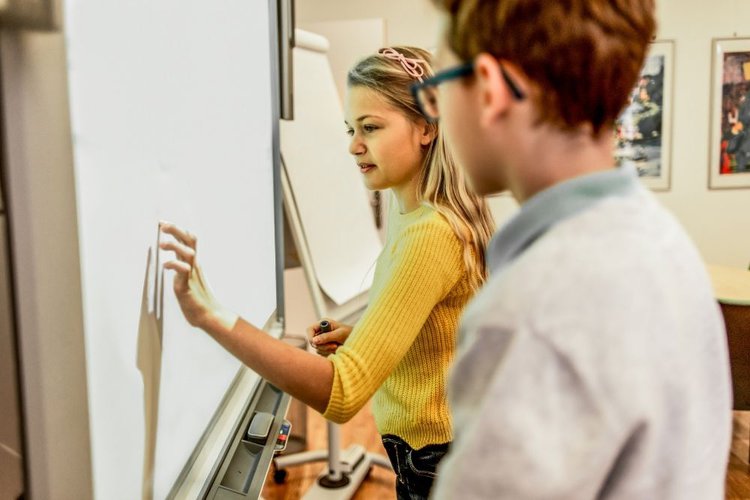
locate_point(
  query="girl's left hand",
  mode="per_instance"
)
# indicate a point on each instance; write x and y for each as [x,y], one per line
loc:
[328,343]
[198,304]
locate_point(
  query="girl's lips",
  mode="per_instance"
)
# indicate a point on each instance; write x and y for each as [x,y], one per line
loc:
[366,167]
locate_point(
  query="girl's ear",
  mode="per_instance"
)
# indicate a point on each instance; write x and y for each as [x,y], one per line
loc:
[427,132]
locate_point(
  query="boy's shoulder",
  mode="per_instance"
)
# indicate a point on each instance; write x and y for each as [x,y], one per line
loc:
[623,251]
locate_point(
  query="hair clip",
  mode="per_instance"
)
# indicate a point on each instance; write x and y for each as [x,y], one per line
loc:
[411,66]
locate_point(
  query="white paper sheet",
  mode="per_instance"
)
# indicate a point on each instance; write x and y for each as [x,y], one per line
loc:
[331,198]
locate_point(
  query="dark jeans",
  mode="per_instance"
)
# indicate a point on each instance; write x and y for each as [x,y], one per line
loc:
[415,469]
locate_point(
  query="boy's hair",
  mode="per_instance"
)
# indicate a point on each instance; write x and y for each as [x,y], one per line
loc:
[442,184]
[584,55]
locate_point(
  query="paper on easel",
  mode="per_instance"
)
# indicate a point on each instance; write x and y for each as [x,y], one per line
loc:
[331,198]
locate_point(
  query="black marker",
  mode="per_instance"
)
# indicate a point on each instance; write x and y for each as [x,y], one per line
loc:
[325,326]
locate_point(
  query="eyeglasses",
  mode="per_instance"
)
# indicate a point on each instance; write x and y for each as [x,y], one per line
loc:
[425,93]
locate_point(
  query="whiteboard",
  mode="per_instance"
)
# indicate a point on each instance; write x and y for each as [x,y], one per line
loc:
[171,117]
[330,195]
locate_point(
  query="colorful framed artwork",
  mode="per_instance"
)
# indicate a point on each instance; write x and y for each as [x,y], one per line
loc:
[643,131]
[729,162]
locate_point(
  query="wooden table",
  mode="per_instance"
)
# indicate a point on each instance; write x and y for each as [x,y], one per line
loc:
[732,289]
[731,284]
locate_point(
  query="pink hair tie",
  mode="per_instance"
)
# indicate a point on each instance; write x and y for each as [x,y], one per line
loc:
[411,66]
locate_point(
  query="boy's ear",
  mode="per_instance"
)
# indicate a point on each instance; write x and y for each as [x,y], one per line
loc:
[493,93]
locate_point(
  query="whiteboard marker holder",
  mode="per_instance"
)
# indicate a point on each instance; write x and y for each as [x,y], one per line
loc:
[243,471]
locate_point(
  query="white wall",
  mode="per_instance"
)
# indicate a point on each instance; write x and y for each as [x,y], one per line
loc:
[407,22]
[718,220]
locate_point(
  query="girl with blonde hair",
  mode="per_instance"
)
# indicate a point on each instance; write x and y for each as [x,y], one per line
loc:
[400,350]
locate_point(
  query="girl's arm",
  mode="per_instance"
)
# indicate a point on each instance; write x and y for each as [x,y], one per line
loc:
[304,376]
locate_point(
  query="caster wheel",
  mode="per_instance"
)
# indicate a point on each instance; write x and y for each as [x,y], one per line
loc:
[279,476]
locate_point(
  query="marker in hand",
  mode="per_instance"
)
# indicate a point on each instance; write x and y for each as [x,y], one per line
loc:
[326,348]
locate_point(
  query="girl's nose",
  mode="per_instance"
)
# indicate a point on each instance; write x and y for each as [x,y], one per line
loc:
[356,146]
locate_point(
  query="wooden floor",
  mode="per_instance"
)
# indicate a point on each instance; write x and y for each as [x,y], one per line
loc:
[381,484]
[738,471]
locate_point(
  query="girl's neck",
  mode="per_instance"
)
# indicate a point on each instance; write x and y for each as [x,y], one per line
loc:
[406,198]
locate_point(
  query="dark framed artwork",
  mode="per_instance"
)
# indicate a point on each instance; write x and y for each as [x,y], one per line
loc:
[643,131]
[729,162]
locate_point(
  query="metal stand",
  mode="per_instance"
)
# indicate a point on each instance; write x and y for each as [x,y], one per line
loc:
[346,468]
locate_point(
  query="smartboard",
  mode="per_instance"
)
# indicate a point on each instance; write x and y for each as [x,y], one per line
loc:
[171,115]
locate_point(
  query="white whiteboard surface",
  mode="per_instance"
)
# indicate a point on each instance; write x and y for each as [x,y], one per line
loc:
[171,117]
[329,193]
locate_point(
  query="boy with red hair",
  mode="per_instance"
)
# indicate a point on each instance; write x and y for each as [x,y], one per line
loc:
[593,364]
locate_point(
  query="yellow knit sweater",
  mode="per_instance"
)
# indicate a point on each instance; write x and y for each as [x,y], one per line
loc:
[401,348]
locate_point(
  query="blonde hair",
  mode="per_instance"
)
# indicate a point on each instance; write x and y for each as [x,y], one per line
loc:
[443,184]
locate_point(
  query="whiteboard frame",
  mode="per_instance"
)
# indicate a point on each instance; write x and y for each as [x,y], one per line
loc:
[201,470]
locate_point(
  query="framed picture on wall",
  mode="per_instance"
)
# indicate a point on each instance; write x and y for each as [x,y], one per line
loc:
[643,132]
[729,163]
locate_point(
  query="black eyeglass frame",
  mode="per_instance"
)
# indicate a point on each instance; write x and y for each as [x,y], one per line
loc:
[461,71]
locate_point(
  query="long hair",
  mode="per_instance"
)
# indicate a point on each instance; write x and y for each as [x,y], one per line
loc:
[442,185]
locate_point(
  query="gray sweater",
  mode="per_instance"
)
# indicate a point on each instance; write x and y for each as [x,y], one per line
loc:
[593,364]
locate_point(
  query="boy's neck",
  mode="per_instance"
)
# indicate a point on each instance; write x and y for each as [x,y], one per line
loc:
[549,156]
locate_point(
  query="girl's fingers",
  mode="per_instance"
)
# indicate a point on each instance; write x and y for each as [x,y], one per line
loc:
[314,329]
[183,252]
[182,235]
[178,266]
[322,340]
[337,336]
[326,349]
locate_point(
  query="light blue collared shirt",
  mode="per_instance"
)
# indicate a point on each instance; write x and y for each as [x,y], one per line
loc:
[547,208]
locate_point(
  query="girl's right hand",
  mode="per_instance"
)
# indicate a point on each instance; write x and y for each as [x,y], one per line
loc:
[327,343]
[198,304]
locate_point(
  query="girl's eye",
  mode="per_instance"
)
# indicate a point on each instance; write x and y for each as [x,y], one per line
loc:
[369,128]
[350,132]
